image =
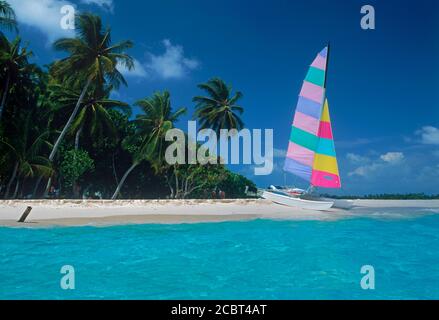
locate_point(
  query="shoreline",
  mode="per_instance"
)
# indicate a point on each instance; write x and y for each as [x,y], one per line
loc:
[46,213]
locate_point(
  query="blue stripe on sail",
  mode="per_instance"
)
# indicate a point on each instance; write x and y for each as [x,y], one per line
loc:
[298,169]
[309,107]
[326,147]
[324,52]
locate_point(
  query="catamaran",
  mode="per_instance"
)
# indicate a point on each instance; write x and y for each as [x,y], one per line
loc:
[311,150]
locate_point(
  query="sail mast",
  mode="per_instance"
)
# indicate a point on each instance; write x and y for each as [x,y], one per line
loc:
[327,65]
[325,167]
[328,48]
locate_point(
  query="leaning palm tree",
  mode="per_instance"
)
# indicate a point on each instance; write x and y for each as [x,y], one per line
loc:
[92,58]
[13,63]
[7,16]
[218,110]
[148,143]
[93,117]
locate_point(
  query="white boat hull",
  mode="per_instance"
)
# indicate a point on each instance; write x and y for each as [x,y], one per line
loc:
[297,202]
[341,203]
[338,203]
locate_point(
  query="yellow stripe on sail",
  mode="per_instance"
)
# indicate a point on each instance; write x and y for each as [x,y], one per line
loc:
[325,114]
[325,163]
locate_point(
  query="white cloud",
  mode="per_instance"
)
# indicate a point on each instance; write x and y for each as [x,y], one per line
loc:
[172,64]
[355,158]
[365,171]
[383,163]
[392,157]
[107,4]
[429,135]
[138,71]
[43,15]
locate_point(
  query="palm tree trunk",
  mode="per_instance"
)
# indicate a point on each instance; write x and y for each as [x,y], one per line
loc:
[5,94]
[37,185]
[69,122]
[75,185]
[46,192]
[21,194]
[78,134]
[122,181]
[114,170]
[14,175]
[66,128]
[16,189]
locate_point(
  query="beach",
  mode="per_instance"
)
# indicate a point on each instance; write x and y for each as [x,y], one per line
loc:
[104,212]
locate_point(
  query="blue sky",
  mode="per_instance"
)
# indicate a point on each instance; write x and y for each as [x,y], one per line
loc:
[382,84]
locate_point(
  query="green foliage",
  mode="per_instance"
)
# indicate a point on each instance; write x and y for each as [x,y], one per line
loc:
[99,141]
[156,119]
[218,110]
[7,16]
[92,55]
[73,166]
[93,118]
[197,181]
[15,70]
[235,185]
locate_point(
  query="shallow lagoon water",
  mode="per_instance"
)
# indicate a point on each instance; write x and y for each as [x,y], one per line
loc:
[259,259]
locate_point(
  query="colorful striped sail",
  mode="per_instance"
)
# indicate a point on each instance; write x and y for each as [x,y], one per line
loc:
[311,151]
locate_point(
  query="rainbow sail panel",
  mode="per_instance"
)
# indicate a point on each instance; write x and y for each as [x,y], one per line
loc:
[311,151]
[325,172]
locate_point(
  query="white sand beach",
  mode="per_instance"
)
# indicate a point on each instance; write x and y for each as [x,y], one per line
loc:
[103,212]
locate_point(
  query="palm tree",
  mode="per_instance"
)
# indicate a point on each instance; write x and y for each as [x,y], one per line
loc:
[25,150]
[218,110]
[92,58]
[152,124]
[93,117]
[7,16]
[13,63]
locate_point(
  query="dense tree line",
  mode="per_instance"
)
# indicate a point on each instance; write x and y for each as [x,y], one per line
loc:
[62,135]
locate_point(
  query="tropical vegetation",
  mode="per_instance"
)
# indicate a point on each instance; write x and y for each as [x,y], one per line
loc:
[218,110]
[62,134]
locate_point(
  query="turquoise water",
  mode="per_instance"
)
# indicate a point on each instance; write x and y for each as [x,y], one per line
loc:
[260,259]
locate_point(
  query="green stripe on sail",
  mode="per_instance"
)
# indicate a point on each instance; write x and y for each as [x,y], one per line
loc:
[316,76]
[304,139]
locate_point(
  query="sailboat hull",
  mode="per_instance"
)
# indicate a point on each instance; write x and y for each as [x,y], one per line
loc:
[338,203]
[287,200]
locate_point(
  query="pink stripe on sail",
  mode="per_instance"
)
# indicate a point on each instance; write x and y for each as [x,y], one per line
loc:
[307,123]
[325,179]
[300,154]
[319,63]
[325,130]
[312,92]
